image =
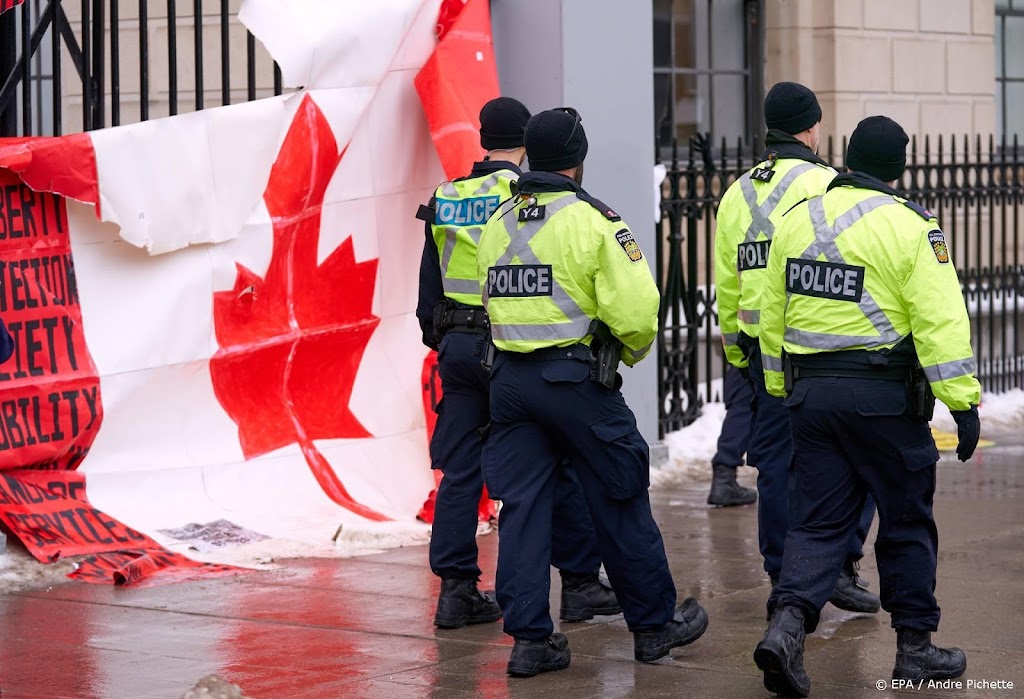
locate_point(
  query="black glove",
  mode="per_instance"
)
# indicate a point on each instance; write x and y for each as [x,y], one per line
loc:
[968,430]
[702,144]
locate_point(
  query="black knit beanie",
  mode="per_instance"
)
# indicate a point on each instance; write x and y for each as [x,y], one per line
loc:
[555,140]
[791,108]
[878,147]
[503,123]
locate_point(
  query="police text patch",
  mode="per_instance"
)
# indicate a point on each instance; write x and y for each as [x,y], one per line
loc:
[824,280]
[473,211]
[752,255]
[763,174]
[532,213]
[938,243]
[628,243]
[515,281]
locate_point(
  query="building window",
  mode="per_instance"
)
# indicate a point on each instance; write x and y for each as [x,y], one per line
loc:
[708,68]
[1010,68]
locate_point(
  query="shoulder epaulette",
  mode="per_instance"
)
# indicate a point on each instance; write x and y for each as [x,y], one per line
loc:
[426,211]
[605,210]
[919,210]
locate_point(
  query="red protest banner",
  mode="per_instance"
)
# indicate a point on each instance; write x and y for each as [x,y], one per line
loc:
[146,568]
[49,513]
[8,4]
[50,408]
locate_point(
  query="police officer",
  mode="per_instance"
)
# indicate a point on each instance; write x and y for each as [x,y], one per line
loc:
[860,290]
[750,211]
[561,270]
[732,443]
[453,321]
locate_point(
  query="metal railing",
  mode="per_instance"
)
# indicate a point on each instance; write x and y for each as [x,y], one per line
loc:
[83,65]
[974,186]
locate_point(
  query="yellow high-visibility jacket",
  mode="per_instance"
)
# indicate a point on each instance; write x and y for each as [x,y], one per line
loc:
[862,268]
[554,259]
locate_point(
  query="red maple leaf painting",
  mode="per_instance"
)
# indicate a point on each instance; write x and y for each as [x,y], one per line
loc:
[291,342]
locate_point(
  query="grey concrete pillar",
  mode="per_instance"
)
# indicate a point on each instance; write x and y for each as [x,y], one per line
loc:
[596,56]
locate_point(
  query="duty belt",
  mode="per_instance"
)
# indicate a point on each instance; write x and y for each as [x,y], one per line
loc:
[881,373]
[547,354]
[465,320]
[848,365]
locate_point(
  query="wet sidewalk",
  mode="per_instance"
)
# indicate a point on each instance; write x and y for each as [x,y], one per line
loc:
[361,627]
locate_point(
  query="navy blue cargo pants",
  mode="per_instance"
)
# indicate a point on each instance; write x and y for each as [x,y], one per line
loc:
[540,410]
[854,437]
[771,450]
[456,449]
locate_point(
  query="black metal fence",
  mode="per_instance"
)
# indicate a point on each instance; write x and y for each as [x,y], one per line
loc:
[976,188]
[87,64]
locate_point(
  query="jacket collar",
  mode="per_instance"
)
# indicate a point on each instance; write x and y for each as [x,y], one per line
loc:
[862,180]
[785,146]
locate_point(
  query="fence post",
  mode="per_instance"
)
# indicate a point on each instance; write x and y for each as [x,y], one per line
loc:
[8,61]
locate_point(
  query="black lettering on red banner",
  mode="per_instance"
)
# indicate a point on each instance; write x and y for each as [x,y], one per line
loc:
[50,404]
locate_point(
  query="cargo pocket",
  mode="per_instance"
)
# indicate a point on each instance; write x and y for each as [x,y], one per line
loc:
[919,490]
[624,464]
[881,402]
[798,395]
[438,439]
[920,455]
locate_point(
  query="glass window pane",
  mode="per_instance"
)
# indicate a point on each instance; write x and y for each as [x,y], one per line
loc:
[1013,43]
[686,103]
[726,107]
[663,108]
[684,34]
[999,47]
[1002,4]
[727,27]
[1014,110]
[662,33]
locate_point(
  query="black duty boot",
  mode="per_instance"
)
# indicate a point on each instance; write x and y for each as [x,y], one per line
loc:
[780,654]
[917,659]
[531,657]
[687,625]
[461,603]
[586,596]
[852,593]
[725,491]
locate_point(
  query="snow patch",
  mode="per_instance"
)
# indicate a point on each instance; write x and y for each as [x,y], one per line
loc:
[20,571]
[692,448]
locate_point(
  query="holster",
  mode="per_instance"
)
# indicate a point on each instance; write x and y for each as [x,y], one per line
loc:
[488,354]
[923,406]
[441,311]
[606,351]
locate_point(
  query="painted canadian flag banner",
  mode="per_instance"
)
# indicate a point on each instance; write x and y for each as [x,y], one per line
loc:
[214,312]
